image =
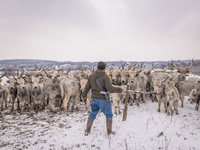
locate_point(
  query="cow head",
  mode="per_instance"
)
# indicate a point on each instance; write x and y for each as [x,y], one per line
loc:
[158,86]
[183,71]
[193,96]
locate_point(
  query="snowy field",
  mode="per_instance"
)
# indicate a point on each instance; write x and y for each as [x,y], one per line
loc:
[144,129]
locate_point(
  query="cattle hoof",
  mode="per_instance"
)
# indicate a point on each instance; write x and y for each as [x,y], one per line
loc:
[55,112]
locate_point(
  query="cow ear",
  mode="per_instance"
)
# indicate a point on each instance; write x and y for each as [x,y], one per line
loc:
[8,81]
[187,71]
[137,74]
[41,81]
[163,85]
[58,75]
[127,75]
[110,75]
[178,71]
[15,83]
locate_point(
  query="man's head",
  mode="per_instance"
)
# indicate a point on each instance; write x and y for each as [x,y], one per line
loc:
[101,65]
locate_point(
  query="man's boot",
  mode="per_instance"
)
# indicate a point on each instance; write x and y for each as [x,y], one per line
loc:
[109,127]
[88,127]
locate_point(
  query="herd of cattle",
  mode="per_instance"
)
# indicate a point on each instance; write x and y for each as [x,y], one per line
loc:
[36,89]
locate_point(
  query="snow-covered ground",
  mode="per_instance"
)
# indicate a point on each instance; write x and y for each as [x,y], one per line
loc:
[144,129]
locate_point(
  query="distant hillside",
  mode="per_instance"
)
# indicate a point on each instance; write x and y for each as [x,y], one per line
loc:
[30,64]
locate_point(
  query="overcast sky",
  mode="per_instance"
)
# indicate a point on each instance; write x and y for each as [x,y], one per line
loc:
[94,30]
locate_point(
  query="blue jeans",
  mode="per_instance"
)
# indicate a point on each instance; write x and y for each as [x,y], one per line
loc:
[97,104]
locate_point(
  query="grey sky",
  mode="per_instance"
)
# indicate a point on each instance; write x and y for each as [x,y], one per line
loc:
[94,30]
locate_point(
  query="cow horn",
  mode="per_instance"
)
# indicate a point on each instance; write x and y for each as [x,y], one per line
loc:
[165,68]
[190,65]
[7,75]
[26,70]
[115,68]
[184,68]
[3,75]
[46,73]
[141,65]
[14,77]
[164,80]
[41,69]
[133,67]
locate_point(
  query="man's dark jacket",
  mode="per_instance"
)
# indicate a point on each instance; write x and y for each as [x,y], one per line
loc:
[105,83]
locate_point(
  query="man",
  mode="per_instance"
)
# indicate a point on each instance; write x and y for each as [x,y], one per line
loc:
[98,100]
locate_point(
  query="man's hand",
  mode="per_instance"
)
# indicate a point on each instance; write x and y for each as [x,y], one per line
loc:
[83,99]
[122,92]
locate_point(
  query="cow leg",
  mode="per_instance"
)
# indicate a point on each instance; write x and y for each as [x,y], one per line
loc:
[27,107]
[65,102]
[175,104]
[182,100]
[132,97]
[143,97]
[76,101]
[18,104]
[73,102]
[119,104]
[153,97]
[51,105]
[5,101]
[138,99]
[13,102]
[197,107]
[169,108]
[1,106]
[165,106]
[159,103]
[22,109]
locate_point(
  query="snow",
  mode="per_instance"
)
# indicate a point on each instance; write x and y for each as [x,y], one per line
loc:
[144,129]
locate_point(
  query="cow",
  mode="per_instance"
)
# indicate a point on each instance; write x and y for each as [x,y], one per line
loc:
[70,88]
[23,94]
[159,88]
[158,76]
[137,83]
[194,97]
[3,95]
[172,97]
[88,98]
[117,98]
[185,87]
[12,91]
[37,94]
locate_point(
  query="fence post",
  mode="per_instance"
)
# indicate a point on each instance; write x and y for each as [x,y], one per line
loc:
[126,103]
